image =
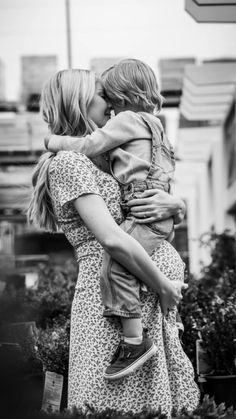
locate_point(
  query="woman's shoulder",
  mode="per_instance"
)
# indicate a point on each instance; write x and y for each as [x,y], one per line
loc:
[72,174]
[69,159]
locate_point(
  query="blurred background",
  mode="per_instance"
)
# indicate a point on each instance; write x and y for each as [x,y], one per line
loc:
[190,45]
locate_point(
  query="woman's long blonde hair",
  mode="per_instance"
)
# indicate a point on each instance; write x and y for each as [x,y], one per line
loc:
[65,99]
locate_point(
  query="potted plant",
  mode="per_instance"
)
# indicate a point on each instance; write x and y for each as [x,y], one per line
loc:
[48,307]
[219,342]
[53,351]
[209,313]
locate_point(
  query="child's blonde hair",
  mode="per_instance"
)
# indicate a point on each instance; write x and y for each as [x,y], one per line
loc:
[65,99]
[132,82]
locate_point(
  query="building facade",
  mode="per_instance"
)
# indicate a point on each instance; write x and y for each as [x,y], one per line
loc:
[206,151]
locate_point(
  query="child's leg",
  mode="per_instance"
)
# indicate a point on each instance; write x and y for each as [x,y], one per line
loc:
[119,288]
[132,330]
[120,293]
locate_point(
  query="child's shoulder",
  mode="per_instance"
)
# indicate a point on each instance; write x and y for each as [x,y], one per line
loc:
[135,119]
[127,117]
[151,118]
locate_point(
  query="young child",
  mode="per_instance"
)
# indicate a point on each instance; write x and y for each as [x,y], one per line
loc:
[141,158]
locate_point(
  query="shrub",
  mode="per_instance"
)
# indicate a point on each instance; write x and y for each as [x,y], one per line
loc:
[49,306]
[50,301]
[53,346]
[209,306]
[54,295]
[206,410]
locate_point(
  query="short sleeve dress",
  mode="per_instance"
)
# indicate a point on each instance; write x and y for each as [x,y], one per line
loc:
[167,379]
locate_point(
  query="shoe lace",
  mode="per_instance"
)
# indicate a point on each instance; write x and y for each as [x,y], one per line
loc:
[121,352]
[117,352]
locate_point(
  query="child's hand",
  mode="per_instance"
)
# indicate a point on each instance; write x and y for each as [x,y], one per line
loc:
[171,295]
[53,142]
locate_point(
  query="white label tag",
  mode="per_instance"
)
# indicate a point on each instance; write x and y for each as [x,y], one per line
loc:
[52,392]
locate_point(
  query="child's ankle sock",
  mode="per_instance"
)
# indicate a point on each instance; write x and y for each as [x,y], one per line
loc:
[133,341]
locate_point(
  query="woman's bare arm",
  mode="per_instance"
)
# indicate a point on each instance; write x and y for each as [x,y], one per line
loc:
[155,205]
[126,250]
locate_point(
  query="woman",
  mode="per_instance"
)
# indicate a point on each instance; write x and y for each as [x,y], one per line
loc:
[71,192]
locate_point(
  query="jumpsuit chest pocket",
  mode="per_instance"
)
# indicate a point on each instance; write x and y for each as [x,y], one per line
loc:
[164,164]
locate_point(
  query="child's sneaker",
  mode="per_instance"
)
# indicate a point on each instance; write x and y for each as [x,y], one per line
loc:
[128,358]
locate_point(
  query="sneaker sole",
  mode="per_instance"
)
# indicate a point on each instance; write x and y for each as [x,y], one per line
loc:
[133,367]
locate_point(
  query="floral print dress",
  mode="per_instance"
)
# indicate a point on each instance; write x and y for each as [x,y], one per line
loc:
[167,379]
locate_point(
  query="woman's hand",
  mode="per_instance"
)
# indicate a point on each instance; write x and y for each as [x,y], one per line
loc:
[154,205]
[171,295]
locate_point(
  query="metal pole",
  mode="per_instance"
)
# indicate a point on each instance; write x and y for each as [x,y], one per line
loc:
[68,34]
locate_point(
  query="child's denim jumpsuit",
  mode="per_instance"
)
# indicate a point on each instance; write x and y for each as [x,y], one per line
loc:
[120,289]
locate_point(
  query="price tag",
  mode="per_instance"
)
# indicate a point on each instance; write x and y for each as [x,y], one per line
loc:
[52,392]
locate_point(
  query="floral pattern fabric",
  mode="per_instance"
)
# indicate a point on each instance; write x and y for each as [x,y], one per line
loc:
[167,379]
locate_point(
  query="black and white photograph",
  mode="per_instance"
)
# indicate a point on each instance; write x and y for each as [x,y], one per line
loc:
[117,209]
